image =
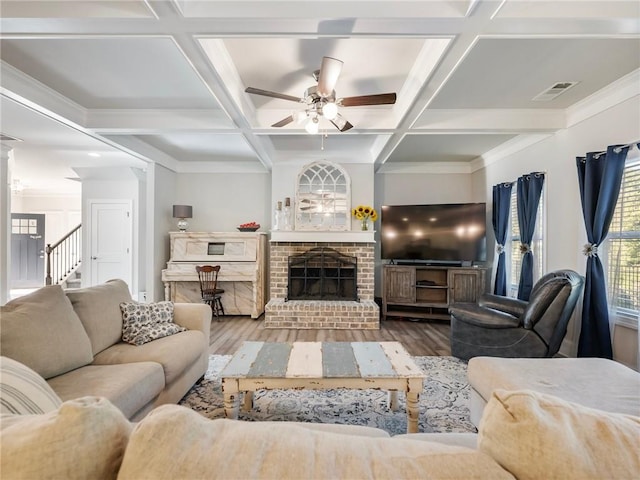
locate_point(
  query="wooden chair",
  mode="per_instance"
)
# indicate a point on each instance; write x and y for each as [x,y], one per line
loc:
[211,294]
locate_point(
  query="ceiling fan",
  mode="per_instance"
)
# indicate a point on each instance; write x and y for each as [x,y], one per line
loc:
[320,100]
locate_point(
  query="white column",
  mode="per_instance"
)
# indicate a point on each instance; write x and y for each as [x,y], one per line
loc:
[5,223]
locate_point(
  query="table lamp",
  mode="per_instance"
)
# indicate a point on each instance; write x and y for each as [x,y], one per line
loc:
[182,212]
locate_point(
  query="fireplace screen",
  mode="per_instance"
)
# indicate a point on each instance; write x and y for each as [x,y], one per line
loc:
[322,274]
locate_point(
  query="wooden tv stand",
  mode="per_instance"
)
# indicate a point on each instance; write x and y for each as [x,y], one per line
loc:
[421,291]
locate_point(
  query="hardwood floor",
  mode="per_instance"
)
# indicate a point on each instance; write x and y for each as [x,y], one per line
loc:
[424,338]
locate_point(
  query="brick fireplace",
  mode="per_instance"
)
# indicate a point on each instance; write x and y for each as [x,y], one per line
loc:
[363,313]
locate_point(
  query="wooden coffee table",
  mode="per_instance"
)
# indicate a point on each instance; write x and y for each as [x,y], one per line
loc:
[322,366]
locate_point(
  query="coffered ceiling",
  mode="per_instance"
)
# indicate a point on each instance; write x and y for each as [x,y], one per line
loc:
[164,81]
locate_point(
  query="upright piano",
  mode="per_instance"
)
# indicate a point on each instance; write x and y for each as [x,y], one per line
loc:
[242,257]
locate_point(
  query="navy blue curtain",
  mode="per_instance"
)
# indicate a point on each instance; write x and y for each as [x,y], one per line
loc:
[599,178]
[528,199]
[500,220]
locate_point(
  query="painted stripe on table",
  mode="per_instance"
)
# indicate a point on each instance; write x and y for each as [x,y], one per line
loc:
[338,360]
[305,360]
[271,361]
[400,359]
[242,360]
[372,360]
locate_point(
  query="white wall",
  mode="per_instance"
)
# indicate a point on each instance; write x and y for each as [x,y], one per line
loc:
[222,201]
[161,190]
[417,189]
[565,234]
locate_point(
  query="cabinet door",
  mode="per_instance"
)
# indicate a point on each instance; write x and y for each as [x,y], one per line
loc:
[399,284]
[466,285]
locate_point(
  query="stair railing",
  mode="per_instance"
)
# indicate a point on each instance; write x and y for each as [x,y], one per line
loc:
[64,256]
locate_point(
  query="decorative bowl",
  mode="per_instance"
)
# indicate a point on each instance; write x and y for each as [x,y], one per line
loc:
[249,229]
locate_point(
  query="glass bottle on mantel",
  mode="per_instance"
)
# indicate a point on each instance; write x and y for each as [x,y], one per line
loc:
[287,221]
[277,217]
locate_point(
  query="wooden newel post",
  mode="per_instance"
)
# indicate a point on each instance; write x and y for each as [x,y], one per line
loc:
[47,280]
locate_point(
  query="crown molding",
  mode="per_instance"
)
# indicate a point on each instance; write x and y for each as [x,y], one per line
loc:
[430,167]
[617,92]
[508,148]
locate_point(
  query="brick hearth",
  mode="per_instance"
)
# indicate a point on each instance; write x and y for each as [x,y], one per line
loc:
[279,313]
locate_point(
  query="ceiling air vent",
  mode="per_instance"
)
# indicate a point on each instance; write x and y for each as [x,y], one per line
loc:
[553,91]
[8,138]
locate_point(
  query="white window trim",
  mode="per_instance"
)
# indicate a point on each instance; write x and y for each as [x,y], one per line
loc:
[625,318]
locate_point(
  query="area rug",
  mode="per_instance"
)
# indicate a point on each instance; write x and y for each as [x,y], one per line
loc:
[443,403]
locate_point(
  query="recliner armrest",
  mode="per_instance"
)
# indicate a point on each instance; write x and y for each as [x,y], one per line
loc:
[505,304]
[483,317]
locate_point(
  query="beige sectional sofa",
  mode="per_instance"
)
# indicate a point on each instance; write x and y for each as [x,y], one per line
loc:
[593,382]
[73,339]
[523,435]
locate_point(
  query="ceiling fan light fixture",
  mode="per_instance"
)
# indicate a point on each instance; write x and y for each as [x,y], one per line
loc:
[330,110]
[312,126]
[301,117]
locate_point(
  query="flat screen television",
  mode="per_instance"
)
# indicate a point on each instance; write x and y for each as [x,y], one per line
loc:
[452,233]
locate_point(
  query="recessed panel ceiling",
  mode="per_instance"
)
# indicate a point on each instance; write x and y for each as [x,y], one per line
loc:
[342,11]
[572,9]
[351,144]
[201,146]
[445,148]
[516,70]
[112,72]
[75,9]
[371,65]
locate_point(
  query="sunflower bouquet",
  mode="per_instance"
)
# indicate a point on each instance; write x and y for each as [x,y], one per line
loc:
[364,213]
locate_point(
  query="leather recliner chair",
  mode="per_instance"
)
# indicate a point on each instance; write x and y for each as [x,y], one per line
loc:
[507,327]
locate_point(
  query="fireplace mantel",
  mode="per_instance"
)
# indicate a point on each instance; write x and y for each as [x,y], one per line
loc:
[338,237]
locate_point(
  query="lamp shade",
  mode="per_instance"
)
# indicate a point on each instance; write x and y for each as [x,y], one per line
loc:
[182,211]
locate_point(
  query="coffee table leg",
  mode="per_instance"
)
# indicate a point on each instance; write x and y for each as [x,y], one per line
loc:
[247,405]
[413,407]
[393,400]
[413,412]
[231,398]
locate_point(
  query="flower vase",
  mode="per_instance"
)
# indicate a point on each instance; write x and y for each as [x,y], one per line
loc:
[364,224]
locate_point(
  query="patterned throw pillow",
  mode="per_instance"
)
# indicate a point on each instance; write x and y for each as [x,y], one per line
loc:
[143,322]
[23,391]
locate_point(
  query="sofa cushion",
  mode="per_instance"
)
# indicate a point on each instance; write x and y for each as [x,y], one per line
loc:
[42,331]
[175,353]
[144,322]
[612,386]
[99,310]
[534,435]
[84,438]
[235,449]
[128,386]
[23,391]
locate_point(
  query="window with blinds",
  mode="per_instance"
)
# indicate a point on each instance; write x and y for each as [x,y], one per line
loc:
[514,257]
[623,245]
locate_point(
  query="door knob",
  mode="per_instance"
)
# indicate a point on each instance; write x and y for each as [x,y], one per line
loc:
[94,258]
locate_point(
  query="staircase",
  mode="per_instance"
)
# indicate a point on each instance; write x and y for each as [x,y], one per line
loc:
[64,258]
[74,280]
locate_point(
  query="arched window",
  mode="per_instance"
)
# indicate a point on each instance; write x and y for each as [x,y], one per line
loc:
[323,198]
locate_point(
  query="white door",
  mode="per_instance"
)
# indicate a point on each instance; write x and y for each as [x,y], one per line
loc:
[111,241]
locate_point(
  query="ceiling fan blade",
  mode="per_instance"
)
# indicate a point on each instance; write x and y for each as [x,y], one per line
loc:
[341,124]
[267,93]
[328,77]
[283,122]
[379,99]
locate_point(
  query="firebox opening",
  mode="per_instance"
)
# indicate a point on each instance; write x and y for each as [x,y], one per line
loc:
[322,274]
